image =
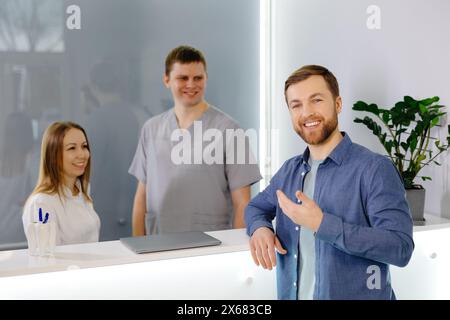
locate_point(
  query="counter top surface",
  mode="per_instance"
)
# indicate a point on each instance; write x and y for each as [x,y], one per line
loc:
[107,253]
[431,222]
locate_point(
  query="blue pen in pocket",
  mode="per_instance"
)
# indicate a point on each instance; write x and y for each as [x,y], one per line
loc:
[40,216]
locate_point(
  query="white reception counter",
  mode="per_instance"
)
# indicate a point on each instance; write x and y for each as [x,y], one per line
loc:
[108,270]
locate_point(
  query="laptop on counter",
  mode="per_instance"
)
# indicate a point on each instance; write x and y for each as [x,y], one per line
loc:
[169,241]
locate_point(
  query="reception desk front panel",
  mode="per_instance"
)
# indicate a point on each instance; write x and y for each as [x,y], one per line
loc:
[108,270]
[218,276]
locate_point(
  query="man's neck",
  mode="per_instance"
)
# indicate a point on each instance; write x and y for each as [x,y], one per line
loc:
[186,115]
[323,150]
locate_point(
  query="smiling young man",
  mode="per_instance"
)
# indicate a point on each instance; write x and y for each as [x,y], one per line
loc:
[341,213]
[193,195]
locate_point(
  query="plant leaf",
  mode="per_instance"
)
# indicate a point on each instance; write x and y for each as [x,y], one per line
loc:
[408,99]
[388,146]
[434,121]
[422,108]
[386,116]
[360,106]
[405,146]
[429,101]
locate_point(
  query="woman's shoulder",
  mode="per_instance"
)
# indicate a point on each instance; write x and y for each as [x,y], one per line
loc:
[42,198]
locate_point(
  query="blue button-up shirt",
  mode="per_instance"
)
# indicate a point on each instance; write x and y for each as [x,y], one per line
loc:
[366,223]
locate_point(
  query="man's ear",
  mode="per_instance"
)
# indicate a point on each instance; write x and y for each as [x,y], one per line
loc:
[165,80]
[339,104]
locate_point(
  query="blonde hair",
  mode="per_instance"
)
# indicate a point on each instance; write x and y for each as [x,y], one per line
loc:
[50,179]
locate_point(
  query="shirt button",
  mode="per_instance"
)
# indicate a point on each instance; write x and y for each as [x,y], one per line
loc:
[295,284]
[295,256]
[303,173]
[296,228]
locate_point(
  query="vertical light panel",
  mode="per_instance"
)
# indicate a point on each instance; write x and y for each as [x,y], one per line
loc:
[265,90]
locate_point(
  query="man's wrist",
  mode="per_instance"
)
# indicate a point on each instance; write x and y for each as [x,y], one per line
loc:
[314,222]
[318,221]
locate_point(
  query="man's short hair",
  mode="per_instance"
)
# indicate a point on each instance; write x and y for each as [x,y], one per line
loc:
[313,70]
[184,54]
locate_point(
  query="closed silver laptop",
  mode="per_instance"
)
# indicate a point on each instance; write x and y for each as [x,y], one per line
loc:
[169,241]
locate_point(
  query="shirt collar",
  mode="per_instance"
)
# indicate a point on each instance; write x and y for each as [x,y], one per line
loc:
[339,152]
[174,122]
[68,192]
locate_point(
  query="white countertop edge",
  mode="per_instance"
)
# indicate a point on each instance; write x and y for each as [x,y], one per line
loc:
[108,253]
[432,222]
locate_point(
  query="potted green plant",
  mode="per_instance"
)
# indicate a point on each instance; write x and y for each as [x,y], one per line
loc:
[407,139]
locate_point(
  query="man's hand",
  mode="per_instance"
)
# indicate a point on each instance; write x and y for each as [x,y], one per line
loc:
[307,213]
[262,246]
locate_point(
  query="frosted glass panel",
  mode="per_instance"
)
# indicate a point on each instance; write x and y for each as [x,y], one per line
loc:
[100,63]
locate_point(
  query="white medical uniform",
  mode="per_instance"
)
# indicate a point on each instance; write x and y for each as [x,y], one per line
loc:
[75,217]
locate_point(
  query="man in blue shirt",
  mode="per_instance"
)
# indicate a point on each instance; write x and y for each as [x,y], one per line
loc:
[341,212]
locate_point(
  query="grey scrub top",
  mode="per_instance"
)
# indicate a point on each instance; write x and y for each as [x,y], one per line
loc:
[188,196]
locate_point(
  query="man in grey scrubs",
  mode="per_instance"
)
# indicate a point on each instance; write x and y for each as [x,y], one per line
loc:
[179,187]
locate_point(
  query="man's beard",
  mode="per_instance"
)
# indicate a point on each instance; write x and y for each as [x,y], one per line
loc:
[319,136]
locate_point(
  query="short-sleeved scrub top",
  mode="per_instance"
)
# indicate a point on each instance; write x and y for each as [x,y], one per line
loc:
[188,187]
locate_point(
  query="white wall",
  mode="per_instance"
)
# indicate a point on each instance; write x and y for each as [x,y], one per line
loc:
[407,56]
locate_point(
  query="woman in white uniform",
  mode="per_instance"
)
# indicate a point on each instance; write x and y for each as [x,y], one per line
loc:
[62,187]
